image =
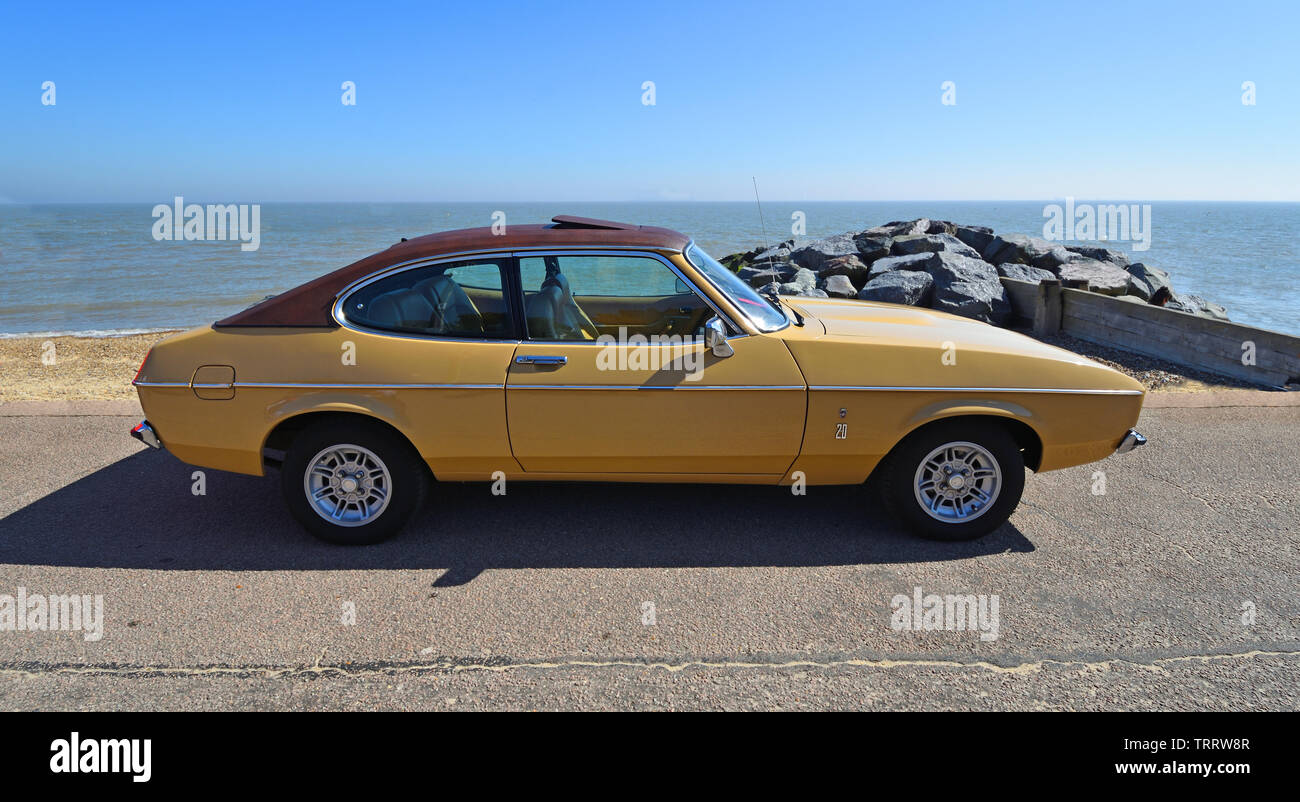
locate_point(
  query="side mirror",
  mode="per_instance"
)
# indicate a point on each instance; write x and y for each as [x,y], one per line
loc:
[715,338]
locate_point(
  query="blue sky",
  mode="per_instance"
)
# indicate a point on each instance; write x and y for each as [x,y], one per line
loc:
[543,101]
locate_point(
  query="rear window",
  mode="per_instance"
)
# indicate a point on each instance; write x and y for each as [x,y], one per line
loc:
[460,299]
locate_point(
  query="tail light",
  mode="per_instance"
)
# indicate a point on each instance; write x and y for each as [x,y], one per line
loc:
[140,369]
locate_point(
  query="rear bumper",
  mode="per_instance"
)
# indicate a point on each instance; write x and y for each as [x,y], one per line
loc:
[143,432]
[1131,441]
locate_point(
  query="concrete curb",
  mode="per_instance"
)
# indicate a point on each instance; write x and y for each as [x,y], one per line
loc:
[1221,398]
[69,409]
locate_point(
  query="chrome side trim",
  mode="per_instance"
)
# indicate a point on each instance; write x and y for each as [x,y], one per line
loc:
[654,387]
[304,386]
[883,388]
[324,386]
[822,387]
[607,344]
[313,386]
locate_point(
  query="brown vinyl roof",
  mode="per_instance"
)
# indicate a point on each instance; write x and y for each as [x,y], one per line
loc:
[309,304]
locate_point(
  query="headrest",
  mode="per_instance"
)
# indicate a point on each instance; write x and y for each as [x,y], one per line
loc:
[557,280]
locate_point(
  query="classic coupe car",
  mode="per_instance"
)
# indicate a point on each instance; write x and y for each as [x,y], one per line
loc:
[595,351]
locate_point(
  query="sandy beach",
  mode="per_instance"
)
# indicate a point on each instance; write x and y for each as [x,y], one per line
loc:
[87,368]
[72,368]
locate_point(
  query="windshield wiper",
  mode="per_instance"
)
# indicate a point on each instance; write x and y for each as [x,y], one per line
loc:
[775,300]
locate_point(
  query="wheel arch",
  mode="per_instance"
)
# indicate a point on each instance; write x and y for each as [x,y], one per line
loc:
[1010,417]
[281,436]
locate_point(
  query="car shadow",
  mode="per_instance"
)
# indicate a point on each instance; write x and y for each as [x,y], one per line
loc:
[141,512]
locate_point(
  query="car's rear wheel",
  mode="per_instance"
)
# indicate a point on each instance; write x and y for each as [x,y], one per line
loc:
[352,483]
[955,480]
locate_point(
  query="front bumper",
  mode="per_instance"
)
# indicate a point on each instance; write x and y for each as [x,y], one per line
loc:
[143,432]
[1131,441]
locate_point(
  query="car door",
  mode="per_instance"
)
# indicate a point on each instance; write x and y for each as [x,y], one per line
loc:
[613,376]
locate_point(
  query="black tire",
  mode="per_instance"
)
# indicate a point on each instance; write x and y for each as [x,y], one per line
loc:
[899,478]
[403,471]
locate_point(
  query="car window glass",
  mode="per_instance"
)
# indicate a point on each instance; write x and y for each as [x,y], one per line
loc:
[765,315]
[481,276]
[583,297]
[458,299]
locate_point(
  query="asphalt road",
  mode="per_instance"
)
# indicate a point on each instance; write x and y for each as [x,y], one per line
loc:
[1138,598]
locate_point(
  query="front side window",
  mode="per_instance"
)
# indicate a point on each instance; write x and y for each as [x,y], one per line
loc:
[455,299]
[582,297]
[764,314]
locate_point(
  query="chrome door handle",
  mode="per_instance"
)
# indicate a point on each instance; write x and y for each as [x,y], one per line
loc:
[542,360]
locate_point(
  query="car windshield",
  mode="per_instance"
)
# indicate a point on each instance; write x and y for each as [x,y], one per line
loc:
[764,315]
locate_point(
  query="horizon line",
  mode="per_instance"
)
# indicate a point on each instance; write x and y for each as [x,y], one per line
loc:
[6,202]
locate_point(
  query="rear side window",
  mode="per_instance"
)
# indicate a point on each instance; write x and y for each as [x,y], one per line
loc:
[455,299]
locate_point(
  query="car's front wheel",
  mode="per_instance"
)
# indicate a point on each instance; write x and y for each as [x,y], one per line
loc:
[955,480]
[352,483]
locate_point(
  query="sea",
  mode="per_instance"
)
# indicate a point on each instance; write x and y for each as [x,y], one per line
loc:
[97,269]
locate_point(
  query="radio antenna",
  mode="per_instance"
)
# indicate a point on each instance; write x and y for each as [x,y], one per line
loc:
[761,224]
[798,318]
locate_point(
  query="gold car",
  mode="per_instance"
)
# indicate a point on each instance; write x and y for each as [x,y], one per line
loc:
[588,350]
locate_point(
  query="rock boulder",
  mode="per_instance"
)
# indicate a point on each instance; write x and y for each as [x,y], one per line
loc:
[1100,277]
[816,253]
[1196,305]
[977,237]
[850,266]
[899,228]
[931,243]
[1025,250]
[968,287]
[1147,280]
[765,273]
[1025,272]
[916,261]
[872,248]
[1100,254]
[803,283]
[838,286]
[909,287]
